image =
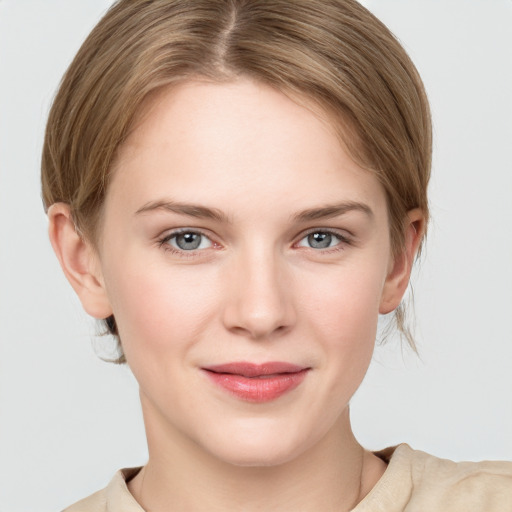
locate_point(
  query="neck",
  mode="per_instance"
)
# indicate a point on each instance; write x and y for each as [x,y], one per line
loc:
[334,474]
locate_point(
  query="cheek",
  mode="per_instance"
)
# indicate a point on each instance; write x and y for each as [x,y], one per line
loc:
[157,307]
[343,317]
[346,304]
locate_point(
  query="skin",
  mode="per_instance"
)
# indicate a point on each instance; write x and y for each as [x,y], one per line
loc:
[254,290]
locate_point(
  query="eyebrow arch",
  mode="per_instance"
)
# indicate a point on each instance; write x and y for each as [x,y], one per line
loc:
[192,210]
[334,210]
[203,212]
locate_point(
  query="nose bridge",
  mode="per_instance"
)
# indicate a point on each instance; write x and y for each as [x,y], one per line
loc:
[260,302]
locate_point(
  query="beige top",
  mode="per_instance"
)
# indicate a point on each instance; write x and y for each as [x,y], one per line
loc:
[413,482]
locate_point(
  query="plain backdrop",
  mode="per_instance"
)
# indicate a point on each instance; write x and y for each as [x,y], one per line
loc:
[68,420]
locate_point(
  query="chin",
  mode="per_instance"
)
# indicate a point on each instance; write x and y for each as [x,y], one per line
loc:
[268,456]
[258,445]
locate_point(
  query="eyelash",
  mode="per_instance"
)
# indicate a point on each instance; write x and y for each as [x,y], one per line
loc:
[164,241]
[344,240]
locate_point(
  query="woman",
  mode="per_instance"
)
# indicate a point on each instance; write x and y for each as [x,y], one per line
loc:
[239,190]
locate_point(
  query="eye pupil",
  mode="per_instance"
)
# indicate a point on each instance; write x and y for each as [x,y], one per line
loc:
[320,240]
[188,241]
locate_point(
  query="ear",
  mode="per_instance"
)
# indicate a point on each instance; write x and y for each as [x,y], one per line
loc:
[401,264]
[79,261]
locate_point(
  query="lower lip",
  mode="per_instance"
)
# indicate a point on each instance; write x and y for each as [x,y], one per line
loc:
[258,389]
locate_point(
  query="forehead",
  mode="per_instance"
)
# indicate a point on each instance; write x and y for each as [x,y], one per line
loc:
[242,140]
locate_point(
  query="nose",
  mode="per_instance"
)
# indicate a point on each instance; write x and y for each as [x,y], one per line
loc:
[259,303]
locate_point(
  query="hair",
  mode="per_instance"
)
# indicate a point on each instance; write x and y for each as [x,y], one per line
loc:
[334,53]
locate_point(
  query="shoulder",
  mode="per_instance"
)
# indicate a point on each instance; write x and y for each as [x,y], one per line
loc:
[114,498]
[97,502]
[476,486]
[416,481]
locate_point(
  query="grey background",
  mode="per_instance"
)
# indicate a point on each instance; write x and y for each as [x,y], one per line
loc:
[68,421]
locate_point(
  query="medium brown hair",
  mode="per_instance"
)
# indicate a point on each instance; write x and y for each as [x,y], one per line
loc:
[332,52]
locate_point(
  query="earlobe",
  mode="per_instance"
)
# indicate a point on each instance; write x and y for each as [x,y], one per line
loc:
[78,261]
[400,272]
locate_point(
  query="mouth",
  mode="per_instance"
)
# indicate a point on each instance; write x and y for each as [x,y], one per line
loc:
[257,382]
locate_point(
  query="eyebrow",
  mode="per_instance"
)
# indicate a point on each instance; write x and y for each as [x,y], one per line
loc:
[334,210]
[203,212]
[192,210]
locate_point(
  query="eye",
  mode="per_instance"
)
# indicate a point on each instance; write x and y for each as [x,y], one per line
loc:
[187,241]
[321,240]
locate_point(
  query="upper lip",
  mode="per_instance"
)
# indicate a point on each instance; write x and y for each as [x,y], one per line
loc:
[246,369]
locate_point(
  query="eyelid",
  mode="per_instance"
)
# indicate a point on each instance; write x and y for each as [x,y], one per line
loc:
[343,234]
[169,233]
[163,240]
[345,238]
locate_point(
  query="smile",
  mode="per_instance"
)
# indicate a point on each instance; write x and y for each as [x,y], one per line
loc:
[257,383]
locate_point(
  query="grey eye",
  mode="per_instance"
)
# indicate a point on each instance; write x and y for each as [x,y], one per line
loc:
[189,241]
[320,240]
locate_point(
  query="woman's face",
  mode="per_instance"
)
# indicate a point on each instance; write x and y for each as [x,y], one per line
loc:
[245,257]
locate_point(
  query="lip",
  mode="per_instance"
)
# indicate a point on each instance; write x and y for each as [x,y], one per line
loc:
[257,382]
